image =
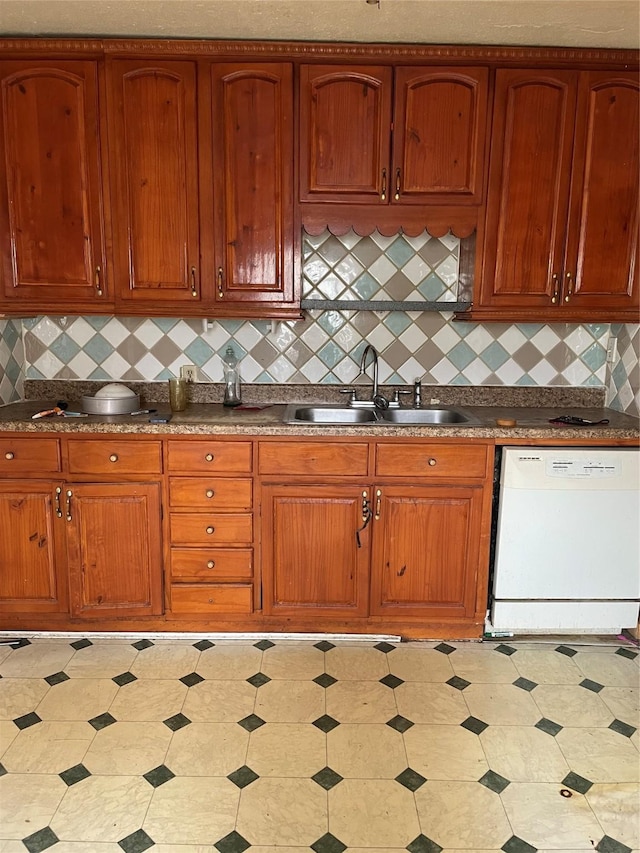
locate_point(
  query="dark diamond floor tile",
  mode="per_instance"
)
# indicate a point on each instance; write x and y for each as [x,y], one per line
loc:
[327,778]
[324,646]
[473,724]
[517,845]
[494,782]
[577,783]
[158,776]
[411,779]
[328,844]
[566,650]
[525,684]
[57,678]
[627,653]
[191,679]
[20,644]
[141,645]
[43,839]
[263,645]
[203,645]
[137,842]
[74,774]
[622,728]
[594,686]
[400,723]
[391,681]
[384,647]
[81,644]
[27,720]
[548,727]
[3,770]
[251,723]
[243,776]
[102,721]
[422,844]
[178,721]
[458,683]
[232,843]
[258,679]
[610,845]
[124,678]
[325,680]
[325,723]
[445,648]
[505,650]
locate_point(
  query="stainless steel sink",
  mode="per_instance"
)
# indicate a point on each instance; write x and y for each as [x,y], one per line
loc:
[328,415]
[345,415]
[413,417]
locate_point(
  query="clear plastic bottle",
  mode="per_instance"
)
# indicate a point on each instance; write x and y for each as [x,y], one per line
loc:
[232,392]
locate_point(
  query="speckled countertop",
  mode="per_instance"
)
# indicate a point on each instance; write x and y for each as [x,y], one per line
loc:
[530,407]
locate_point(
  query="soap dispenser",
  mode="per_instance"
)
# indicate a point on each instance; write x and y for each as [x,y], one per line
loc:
[232,393]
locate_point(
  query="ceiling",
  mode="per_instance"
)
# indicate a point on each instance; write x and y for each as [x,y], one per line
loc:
[571,23]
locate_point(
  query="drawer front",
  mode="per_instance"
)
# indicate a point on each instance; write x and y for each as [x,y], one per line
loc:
[210,493]
[29,455]
[310,457]
[212,598]
[211,564]
[110,456]
[207,529]
[431,460]
[202,457]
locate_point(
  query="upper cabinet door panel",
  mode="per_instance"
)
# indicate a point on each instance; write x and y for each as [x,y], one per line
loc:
[345,129]
[154,162]
[439,135]
[51,199]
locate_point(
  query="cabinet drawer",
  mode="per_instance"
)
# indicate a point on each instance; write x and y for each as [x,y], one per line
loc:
[202,457]
[115,457]
[211,564]
[212,598]
[431,460]
[312,457]
[206,529]
[29,455]
[210,493]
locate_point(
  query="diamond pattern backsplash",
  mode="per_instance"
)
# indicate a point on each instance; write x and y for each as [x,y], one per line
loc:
[11,361]
[623,392]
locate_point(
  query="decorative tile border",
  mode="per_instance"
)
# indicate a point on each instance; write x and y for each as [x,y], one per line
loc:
[11,361]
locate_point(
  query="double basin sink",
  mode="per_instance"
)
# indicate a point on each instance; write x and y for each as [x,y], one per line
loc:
[326,415]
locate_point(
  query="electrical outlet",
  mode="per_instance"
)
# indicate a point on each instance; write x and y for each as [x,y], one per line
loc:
[612,350]
[189,372]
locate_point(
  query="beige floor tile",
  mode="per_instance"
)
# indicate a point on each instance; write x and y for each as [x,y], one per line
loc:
[445,752]
[19,696]
[501,705]
[541,817]
[617,808]
[165,661]
[49,747]
[462,815]
[182,848]
[600,755]
[9,846]
[293,661]
[230,662]
[128,749]
[149,699]
[290,701]
[78,699]
[281,812]
[207,749]
[192,810]
[420,664]
[360,702]
[87,847]
[483,666]
[546,666]
[269,849]
[366,751]
[28,802]
[523,754]
[356,663]
[287,749]
[5,651]
[102,808]
[571,705]
[422,702]
[101,660]
[37,660]
[8,733]
[219,701]
[623,702]
[372,812]
[611,669]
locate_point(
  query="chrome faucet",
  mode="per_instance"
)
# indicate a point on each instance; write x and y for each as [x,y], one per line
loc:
[417,393]
[377,399]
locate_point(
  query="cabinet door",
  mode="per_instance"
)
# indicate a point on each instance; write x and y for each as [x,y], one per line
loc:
[439,135]
[426,544]
[154,165]
[345,128]
[114,549]
[602,249]
[251,125]
[30,558]
[51,218]
[531,151]
[313,561]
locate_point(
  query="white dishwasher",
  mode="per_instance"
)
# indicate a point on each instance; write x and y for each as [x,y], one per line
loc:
[567,555]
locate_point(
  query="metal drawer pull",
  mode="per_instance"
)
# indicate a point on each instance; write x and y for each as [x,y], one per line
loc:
[98,282]
[569,287]
[209,457]
[211,564]
[210,530]
[194,291]
[220,291]
[209,493]
[433,462]
[556,288]
[58,507]
[378,501]
[9,455]
[397,195]
[69,493]
[113,457]
[383,194]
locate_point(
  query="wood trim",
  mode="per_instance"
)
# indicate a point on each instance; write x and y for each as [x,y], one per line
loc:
[388,220]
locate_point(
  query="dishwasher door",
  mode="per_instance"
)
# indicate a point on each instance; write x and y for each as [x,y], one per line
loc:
[568,548]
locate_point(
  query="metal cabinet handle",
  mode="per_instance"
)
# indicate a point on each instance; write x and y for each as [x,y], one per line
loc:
[194,291]
[68,504]
[397,195]
[378,502]
[211,564]
[556,288]
[220,282]
[9,455]
[210,530]
[98,280]
[569,293]
[366,516]
[113,457]
[58,506]
[433,462]
[209,457]
[383,194]
[209,493]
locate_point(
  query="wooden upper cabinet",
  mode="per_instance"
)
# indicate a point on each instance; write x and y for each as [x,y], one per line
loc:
[51,197]
[154,168]
[372,134]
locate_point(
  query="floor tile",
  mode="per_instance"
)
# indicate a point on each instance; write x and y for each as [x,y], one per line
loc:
[356,663]
[547,667]
[19,696]
[445,752]
[229,662]
[8,733]
[292,661]
[361,702]
[165,661]
[28,802]
[36,660]
[599,755]
[282,812]
[219,701]
[572,705]
[501,704]
[282,701]
[192,810]
[612,669]
[479,665]
[207,749]
[419,664]
[623,702]
[372,812]
[128,749]
[617,808]
[101,660]
[366,751]
[287,749]
[85,847]
[422,702]
[523,754]
[77,699]
[49,747]
[148,700]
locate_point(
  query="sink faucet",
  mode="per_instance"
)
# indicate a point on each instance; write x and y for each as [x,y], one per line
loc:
[377,399]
